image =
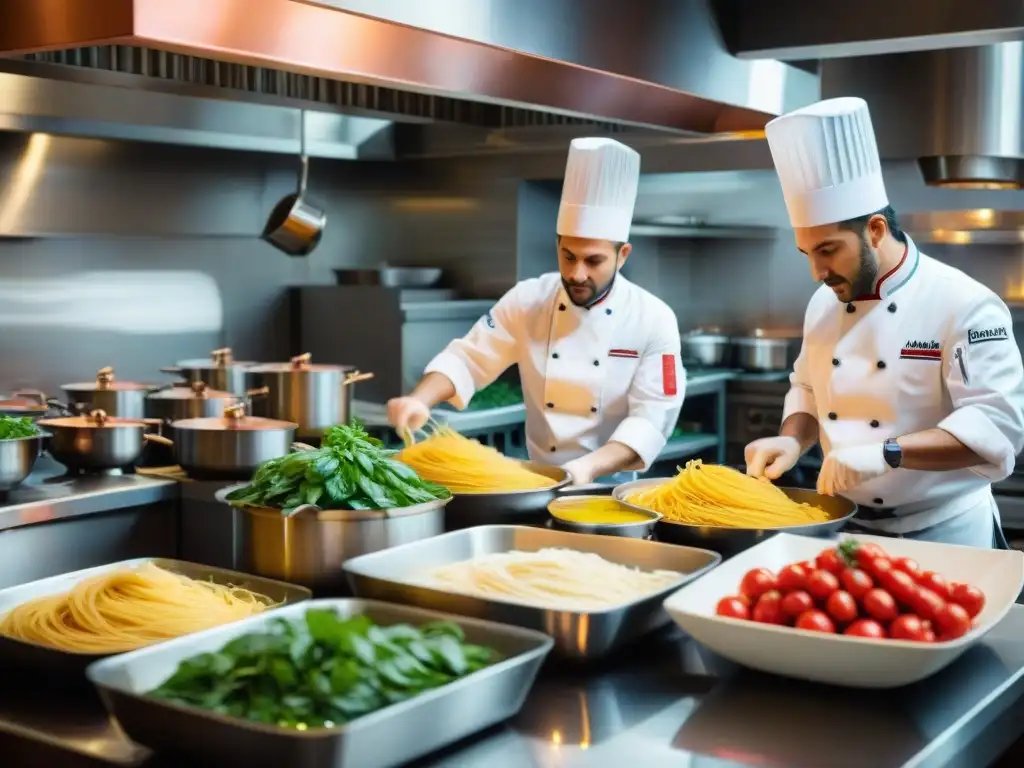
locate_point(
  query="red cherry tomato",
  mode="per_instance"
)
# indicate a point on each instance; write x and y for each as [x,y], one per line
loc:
[815,621]
[929,636]
[861,554]
[971,599]
[841,607]
[931,580]
[880,605]
[821,584]
[865,628]
[791,578]
[907,565]
[796,603]
[768,609]
[953,621]
[877,567]
[900,585]
[732,607]
[756,582]
[856,582]
[927,604]
[907,627]
[830,560]
[807,565]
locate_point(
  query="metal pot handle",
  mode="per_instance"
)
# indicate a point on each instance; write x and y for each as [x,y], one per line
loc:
[354,377]
[588,489]
[298,447]
[160,439]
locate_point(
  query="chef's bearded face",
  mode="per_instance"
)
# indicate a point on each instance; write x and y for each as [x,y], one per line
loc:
[844,256]
[588,267]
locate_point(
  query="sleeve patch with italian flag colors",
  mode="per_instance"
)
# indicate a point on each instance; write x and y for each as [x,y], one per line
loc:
[669,385]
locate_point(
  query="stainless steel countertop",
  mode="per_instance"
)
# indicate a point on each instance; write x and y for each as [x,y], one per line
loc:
[668,702]
[49,494]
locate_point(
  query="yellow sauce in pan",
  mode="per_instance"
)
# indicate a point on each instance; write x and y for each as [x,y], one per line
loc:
[596,511]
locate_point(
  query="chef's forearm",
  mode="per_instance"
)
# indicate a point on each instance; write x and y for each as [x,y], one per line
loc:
[613,457]
[803,427]
[433,388]
[936,450]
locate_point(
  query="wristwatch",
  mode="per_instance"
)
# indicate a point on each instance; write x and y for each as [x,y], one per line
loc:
[892,453]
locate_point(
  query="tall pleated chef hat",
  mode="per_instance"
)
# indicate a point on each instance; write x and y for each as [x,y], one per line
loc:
[827,161]
[599,191]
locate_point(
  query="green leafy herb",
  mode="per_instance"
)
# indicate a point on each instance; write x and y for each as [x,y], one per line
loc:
[351,470]
[324,671]
[498,394]
[14,427]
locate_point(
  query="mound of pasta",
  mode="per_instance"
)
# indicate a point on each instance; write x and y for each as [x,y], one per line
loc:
[554,578]
[463,465]
[713,495]
[127,609]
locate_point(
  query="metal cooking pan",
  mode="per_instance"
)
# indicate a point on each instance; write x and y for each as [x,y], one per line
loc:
[467,510]
[729,541]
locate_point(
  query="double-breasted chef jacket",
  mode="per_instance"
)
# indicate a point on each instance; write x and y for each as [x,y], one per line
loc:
[610,372]
[931,348]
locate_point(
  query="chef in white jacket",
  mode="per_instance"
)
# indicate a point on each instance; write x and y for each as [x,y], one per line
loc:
[599,357]
[909,374]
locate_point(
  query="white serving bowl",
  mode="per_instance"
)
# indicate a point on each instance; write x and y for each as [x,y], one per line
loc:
[837,659]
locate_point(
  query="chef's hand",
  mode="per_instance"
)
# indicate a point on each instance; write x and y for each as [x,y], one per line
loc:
[846,468]
[580,471]
[407,413]
[771,456]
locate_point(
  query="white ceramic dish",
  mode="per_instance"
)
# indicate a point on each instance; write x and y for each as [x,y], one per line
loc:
[836,659]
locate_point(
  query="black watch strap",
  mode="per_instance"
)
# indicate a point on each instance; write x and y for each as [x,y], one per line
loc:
[892,453]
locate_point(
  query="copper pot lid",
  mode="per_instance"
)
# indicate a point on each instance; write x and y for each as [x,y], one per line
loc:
[105,382]
[303,362]
[234,419]
[95,420]
[24,401]
[219,358]
[197,390]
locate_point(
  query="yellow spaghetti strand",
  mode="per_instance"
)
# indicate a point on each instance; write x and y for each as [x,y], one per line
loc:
[713,495]
[463,465]
[127,609]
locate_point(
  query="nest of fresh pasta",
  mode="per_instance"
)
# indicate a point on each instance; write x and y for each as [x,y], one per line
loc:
[711,495]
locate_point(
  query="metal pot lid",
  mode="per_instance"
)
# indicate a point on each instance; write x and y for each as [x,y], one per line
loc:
[94,420]
[197,390]
[105,382]
[301,363]
[219,358]
[761,341]
[234,419]
[22,406]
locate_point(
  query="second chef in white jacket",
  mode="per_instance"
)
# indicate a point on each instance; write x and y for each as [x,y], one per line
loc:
[909,373]
[599,357]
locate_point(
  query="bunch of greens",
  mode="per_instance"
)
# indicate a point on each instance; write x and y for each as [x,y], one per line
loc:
[13,427]
[324,671]
[351,470]
[498,394]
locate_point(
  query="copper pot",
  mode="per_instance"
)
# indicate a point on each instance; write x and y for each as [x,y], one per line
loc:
[96,441]
[123,399]
[220,371]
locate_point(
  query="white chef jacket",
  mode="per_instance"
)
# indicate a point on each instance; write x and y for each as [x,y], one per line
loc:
[610,372]
[931,348]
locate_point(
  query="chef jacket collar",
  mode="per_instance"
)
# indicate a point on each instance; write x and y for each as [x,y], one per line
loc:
[896,277]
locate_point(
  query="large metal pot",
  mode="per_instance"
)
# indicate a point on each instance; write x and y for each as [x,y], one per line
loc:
[195,401]
[17,457]
[228,447]
[765,351]
[25,403]
[506,507]
[310,546]
[95,442]
[708,348]
[221,371]
[313,396]
[123,399]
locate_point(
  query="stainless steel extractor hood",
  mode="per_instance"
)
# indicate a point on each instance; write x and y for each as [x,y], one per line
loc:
[981,226]
[659,64]
[960,112]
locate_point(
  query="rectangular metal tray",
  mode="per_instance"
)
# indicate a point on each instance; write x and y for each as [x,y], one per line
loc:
[22,655]
[389,737]
[395,575]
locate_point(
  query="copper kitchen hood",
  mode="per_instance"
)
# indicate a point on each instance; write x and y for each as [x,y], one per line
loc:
[327,41]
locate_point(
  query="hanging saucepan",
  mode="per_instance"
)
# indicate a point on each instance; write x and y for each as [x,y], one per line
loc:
[295,225]
[313,396]
[231,446]
[221,371]
[25,403]
[124,399]
[95,442]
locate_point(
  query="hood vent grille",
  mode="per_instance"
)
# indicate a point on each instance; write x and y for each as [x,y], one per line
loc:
[208,73]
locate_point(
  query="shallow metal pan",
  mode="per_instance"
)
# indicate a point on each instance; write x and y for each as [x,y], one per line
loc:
[396,574]
[729,541]
[20,655]
[467,510]
[389,737]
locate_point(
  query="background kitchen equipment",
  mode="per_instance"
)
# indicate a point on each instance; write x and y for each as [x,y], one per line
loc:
[295,226]
[313,396]
[228,447]
[709,348]
[221,371]
[391,277]
[766,351]
[25,403]
[17,457]
[195,401]
[95,442]
[123,399]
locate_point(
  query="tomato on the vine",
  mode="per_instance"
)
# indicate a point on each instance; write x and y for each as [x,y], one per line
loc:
[796,603]
[856,582]
[791,577]
[830,560]
[821,584]
[732,607]
[865,628]
[907,627]
[880,605]
[969,598]
[756,582]
[815,621]
[768,609]
[841,607]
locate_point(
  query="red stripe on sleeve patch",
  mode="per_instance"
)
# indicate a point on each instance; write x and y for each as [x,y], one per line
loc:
[669,385]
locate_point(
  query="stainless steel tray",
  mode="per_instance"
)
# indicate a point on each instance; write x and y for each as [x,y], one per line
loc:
[396,575]
[24,655]
[388,737]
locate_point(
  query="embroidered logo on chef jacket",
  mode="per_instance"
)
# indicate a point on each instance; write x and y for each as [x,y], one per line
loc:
[921,350]
[627,353]
[987,334]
